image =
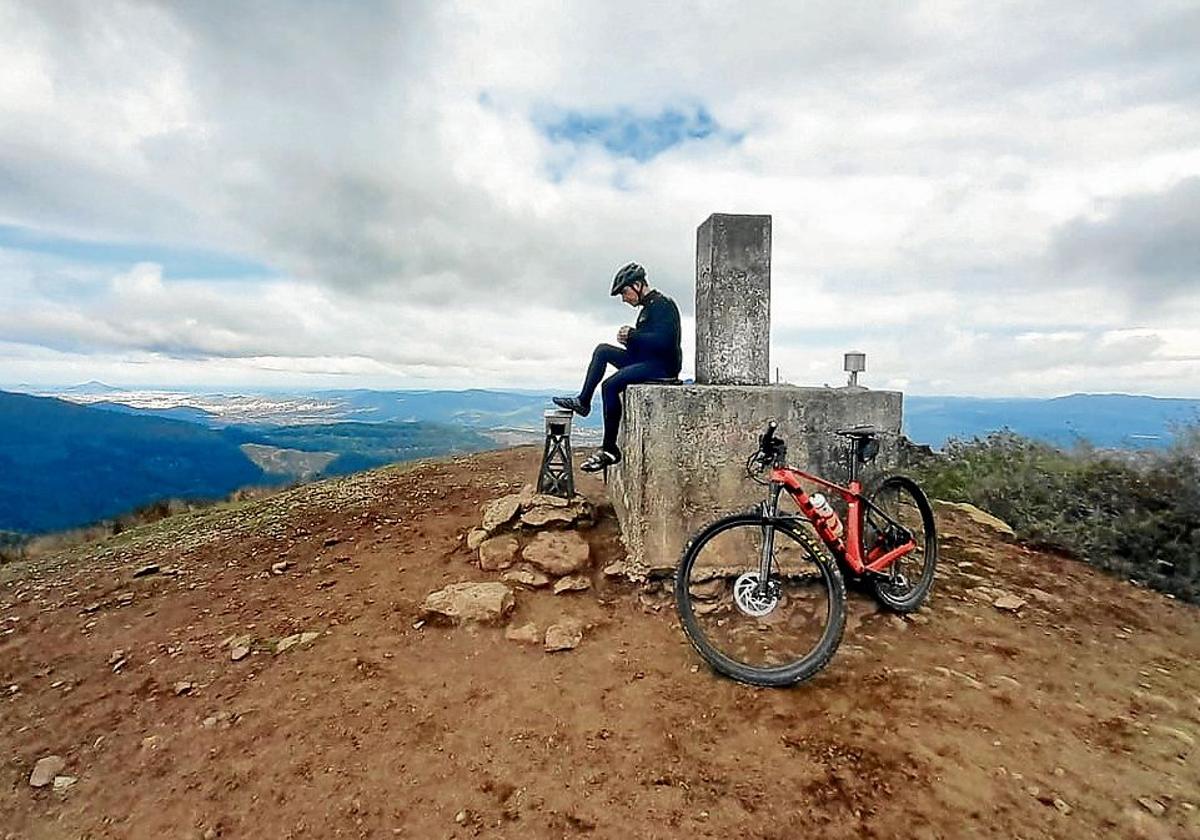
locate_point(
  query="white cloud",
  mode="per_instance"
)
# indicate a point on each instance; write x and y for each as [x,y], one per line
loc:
[955,189]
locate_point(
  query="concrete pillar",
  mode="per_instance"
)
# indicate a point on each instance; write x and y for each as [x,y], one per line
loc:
[733,300]
[686,447]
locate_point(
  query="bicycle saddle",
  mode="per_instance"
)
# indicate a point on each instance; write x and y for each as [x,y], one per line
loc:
[864,431]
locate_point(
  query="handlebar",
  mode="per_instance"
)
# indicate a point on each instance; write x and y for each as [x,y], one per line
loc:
[772,450]
[767,439]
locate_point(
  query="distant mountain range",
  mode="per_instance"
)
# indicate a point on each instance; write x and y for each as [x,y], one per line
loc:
[63,465]
[103,451]
[1117,421]
[1105,420]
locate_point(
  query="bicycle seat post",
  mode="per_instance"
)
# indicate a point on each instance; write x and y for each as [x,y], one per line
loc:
[859,438]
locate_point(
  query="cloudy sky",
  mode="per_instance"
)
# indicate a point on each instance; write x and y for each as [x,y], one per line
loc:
[986,198]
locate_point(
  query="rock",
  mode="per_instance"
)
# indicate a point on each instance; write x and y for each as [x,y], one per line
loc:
[966,678]
[1179,735]
[1042,597]
[280,567]
[541,516]
[309,637]
[976,515]
[117,656]
[146,570]
[1062,807]
[182,688]
[475,538]
[329,542]
[1152,805]
[526,576]
[63,782]
[558,552]
[458,602]
[219,717]
[526,634]
[125,599]
[572,583]
[709,590]
[498,553]
[1156,702]
[614,569]
[1010,603]
[1005,681]
[547,500]
[287,642]
[239,653]
[45,770]
[500,512]
[565,635]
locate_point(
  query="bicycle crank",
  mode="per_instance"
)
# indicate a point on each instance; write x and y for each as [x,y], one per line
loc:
[750,599]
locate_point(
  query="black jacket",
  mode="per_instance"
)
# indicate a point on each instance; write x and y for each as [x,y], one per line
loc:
[655,337]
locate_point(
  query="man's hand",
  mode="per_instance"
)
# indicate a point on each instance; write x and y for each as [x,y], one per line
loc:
[623,334]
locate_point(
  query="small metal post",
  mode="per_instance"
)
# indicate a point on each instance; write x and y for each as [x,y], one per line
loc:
[556,477]
[854,363]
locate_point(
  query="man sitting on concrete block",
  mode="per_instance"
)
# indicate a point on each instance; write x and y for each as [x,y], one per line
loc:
[651,351]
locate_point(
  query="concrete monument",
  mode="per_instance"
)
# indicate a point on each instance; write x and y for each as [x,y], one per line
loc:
[733,300]
[685,446]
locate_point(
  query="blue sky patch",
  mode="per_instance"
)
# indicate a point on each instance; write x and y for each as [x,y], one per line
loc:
[625,133]
[177,262]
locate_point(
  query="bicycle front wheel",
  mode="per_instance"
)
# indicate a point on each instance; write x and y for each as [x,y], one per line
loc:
[773,633]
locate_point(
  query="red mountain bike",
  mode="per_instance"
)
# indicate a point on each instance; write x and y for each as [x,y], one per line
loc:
[764,601]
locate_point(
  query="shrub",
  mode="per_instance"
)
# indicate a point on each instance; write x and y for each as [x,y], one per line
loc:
[1134,513]
[12,546]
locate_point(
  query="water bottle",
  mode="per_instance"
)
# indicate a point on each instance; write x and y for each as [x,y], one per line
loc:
[825,510]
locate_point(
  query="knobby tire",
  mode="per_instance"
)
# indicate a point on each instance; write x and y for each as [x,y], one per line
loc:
[788,674]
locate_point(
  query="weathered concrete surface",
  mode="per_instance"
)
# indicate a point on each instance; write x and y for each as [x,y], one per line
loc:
[733,300]
[685,449]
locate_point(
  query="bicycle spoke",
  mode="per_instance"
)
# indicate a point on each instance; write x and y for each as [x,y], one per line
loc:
[759,626]
[902,516]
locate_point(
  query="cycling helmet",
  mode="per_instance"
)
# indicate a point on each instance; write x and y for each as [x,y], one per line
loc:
[627,276]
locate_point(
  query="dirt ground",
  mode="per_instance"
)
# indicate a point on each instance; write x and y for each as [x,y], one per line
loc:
[1076,717]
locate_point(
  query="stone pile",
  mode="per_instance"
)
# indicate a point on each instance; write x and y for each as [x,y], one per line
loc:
[530,538]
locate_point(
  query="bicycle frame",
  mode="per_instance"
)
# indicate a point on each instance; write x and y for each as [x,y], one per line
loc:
[848,548]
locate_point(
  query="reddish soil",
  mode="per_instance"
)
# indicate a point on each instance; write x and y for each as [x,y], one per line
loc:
[966,721]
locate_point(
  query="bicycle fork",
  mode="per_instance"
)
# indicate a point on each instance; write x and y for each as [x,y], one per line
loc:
[770,510]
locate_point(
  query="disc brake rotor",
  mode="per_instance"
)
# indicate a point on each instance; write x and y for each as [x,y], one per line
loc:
[749,600]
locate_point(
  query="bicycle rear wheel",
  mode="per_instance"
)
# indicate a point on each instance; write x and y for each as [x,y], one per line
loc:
[773,635]
[903,586]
